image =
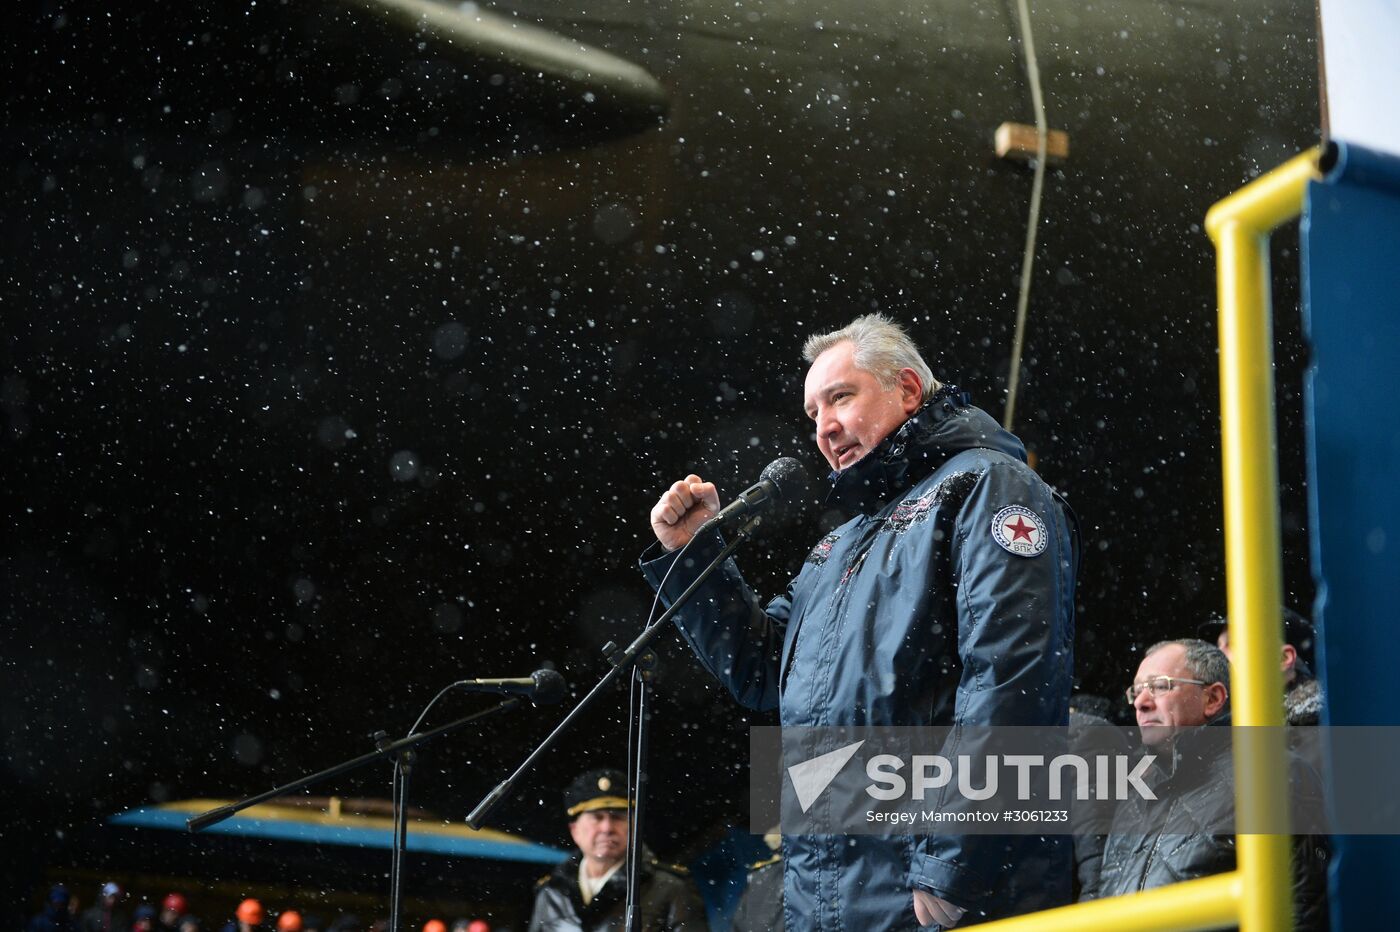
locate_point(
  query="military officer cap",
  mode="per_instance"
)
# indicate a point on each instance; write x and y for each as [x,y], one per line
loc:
[596,789]
[1297,631]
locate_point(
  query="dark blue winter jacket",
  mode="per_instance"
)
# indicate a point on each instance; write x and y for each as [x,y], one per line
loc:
[947,600]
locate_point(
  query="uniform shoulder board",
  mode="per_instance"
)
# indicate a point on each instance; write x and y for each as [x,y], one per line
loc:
[680,870]
[773,860]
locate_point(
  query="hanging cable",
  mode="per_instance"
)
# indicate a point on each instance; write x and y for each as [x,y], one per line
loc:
[1033,221]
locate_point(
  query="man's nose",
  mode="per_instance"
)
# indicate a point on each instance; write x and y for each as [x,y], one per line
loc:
[1143,700]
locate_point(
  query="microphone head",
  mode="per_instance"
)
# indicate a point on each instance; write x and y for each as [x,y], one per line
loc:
[790,479]
[549,687]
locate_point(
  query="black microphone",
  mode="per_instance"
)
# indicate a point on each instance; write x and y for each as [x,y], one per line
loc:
[783,480]
[542,686]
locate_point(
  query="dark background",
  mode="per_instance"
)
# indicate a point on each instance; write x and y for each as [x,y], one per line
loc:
[338,364]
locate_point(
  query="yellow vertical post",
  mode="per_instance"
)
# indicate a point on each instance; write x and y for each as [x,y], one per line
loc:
[1239,227]
[1253,595]
[1258,894]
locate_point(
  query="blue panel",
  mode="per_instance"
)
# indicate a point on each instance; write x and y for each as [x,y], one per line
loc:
[356,836]
[1351,279]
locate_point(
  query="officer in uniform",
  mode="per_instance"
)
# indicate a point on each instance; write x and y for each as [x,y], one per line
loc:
[588,892]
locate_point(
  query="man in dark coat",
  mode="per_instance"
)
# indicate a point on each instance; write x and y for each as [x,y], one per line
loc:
[948,599]
[1302,696]
[1181,700]
[106,915]
[588,892]
[760,907]
[1092,733]
[56,915]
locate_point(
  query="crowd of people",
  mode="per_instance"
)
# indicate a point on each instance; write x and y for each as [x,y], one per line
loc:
[113,912]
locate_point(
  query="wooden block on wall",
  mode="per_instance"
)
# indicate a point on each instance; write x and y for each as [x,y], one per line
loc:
[1017,141]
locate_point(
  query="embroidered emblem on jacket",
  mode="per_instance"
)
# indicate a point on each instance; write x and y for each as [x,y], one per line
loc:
[911,511]
[823,549]
[914,510]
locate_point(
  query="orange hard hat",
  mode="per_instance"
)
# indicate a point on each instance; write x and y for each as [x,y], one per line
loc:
[289,921]
[250,911]
[434,925]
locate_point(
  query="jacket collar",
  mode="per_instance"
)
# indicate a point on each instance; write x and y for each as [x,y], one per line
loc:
[1195,749]
[946,425]
[568,870]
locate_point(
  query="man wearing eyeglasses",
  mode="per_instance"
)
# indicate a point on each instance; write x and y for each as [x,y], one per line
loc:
[1181,690]
[1179,685]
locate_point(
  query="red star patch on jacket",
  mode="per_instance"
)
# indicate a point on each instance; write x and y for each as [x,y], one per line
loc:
[1021,531]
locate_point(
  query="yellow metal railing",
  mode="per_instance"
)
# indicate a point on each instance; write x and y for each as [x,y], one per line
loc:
[1257,895]
[1240,226]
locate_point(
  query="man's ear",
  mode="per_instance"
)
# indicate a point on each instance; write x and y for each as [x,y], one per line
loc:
[911,390]
[1215,697]
[1290,657]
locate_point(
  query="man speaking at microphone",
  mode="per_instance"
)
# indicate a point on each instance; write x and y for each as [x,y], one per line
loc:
[947,599]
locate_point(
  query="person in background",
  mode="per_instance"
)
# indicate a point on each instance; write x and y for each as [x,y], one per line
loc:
[56,916]
[172,908]
[471,925]
[145,918]
[760,907]
[347,922]
[588,892]
[289,920]
[1181,693]
[1302,694]
[248,917]
[1092,732]
[107,915]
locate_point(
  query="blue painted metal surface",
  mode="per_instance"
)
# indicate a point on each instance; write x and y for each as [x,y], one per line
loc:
[353,835]
[1351,314]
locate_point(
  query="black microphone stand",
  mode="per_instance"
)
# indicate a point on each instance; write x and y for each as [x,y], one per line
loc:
[620,662]
[218,814]
[643,674]
[403,750]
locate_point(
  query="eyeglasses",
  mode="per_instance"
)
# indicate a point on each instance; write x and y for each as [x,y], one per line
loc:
[1158,685]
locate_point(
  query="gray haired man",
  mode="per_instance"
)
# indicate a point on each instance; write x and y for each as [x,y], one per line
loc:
[1181,690]
[947,598]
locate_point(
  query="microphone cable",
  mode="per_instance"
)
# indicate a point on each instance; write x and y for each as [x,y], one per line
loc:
[398,796]
[635,698]
[1033,221]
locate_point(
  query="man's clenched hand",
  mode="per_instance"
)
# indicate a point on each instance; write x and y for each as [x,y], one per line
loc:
[681,510]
